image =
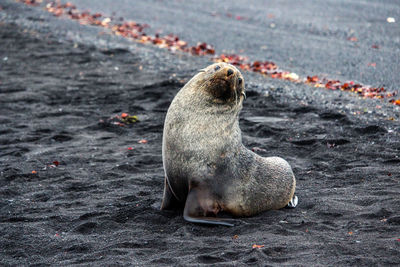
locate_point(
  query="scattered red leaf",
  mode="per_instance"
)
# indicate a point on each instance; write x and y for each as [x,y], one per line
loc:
[56,163]
[34,172]
[121,120]
[32,2]
[232,59]
[313,79]
[375,46]
[143,141]
[372,64]
[352,39]
[258,246]
[201,49]
[130,148]
[350,233]
[333,85]
[396,102]
[235,237]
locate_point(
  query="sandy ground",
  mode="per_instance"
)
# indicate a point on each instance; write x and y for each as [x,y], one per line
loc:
[94,195]
[335,38]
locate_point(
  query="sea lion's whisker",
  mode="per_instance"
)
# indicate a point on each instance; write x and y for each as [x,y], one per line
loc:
[236,97]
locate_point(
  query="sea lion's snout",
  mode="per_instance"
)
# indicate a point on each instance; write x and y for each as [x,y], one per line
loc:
[225,83]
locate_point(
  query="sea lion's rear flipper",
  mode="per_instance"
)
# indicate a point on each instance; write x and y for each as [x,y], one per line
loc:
[198,205]
[169,201]
[293,202]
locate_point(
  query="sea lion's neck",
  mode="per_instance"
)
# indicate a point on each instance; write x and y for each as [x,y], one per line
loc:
[197,112]
[198,96]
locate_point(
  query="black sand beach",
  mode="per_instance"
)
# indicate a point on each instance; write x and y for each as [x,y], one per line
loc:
[78,186]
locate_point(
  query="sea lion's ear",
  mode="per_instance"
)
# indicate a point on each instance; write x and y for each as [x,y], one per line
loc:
[243,94]
[202,70]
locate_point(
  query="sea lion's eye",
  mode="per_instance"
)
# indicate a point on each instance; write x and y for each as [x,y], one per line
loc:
[240,80]
[217,68]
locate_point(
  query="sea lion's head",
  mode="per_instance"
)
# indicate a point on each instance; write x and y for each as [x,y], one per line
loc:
[223,82]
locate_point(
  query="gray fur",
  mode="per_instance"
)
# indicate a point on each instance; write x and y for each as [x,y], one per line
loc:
[202,148]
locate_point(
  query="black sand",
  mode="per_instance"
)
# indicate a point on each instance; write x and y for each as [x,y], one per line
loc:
[100,205]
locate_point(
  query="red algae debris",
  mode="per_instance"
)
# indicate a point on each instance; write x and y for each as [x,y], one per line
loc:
[136,31]
[127,29]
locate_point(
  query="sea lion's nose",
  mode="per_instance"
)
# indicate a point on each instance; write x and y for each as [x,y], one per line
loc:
[229,73]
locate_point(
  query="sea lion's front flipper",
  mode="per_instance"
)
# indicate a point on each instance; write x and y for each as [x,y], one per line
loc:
[198,204]
[169,201]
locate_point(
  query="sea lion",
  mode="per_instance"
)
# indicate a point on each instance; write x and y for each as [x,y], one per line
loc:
[207,168]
